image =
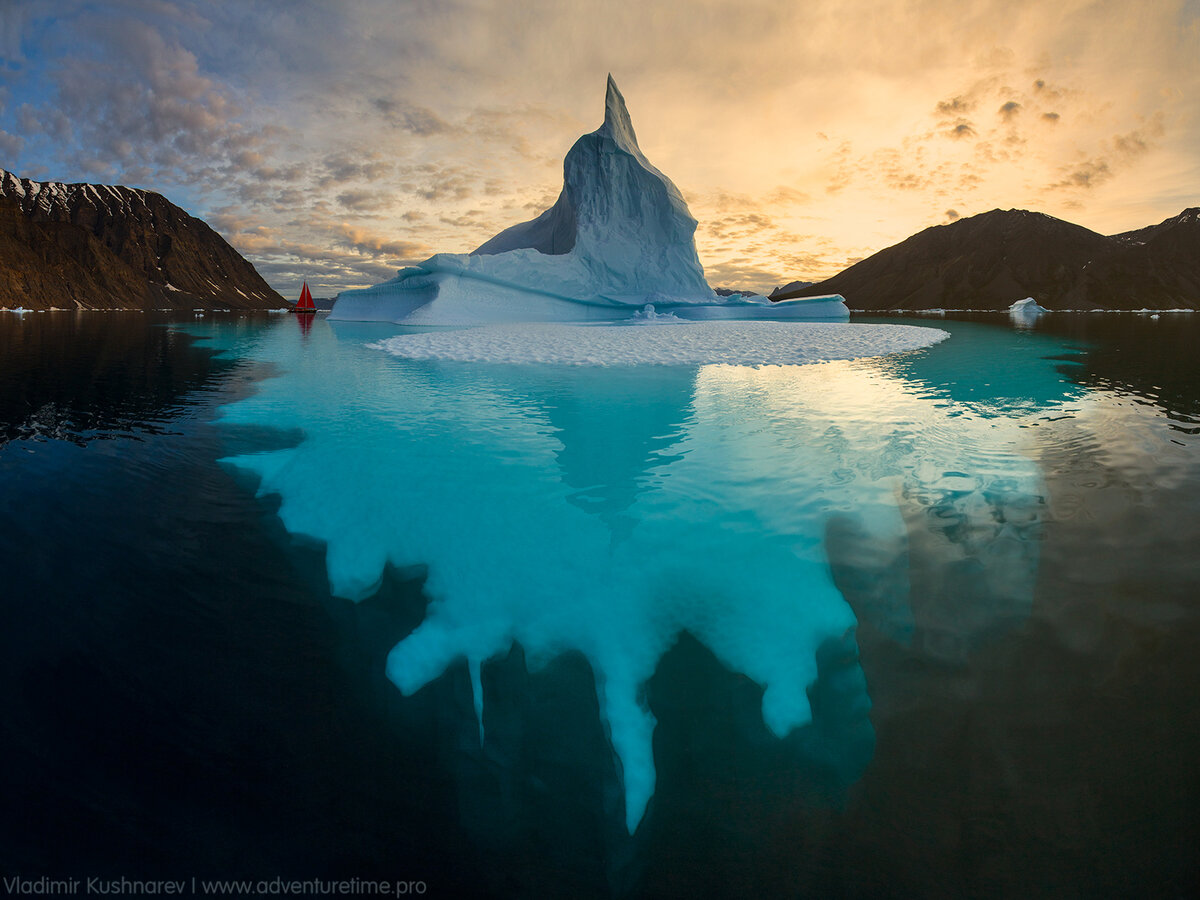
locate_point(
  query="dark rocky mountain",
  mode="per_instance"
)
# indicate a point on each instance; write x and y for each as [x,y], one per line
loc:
[1156,267]
[788,289]
[1142,235]
[86,246]
[987,262]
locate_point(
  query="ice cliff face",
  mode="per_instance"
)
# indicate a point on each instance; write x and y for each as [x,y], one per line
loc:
[620,235]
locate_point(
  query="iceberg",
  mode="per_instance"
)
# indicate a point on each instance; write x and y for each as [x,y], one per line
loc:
[1026,311]
[619,237]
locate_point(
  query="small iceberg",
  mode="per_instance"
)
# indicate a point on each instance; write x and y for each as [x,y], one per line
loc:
[1026,309]
[648,316]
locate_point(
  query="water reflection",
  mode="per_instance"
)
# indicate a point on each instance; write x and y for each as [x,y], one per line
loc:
[82,376]
[1153,360]
[992,370]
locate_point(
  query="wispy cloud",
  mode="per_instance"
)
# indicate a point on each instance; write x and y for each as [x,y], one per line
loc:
[10,145]
[1116,154]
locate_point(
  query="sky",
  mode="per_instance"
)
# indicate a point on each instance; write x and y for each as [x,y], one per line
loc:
[340,141]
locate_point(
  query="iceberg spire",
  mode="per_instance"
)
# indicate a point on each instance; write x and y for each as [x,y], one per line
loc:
[616,118]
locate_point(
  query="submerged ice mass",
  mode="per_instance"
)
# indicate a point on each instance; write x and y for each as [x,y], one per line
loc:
[606,509]
[597,466]
[620,236]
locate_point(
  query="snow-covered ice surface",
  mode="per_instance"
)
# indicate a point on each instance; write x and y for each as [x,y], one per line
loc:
[607,509]
[668,343]
[620,235]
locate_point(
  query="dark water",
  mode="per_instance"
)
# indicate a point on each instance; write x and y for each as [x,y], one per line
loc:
[181,697]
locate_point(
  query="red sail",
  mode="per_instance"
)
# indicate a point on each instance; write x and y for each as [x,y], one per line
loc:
[306,300]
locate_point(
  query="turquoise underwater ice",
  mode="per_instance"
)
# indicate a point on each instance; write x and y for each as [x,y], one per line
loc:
[608,509]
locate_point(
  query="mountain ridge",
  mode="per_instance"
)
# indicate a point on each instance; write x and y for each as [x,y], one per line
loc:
[988,261]
[92,246]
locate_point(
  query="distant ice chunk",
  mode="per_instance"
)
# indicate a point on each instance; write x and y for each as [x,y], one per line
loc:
[620,236]
[648,316]
[1026,310]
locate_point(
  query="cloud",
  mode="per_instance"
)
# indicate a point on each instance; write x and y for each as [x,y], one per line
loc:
[1009,110]
[1118,153]
[843,169]
[471,220]
[418,120]
[1087,174]
[1051,116]
[435,183]
[31,123]
[13,22]
[325,275]
[363,241]
[344,167]
[739,224]
[338,254]
[783,195]
[10,148]
[899,170]
[364,200]
[743,275]
[129,99]
[952,215]
[956,106]
[961,129]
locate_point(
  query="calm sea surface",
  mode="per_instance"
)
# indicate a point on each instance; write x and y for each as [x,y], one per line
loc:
[923,625]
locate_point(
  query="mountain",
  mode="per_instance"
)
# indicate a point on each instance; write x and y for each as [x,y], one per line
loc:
[787,289]
[1155,267]
[988,261]
[1189,217]
[87,246]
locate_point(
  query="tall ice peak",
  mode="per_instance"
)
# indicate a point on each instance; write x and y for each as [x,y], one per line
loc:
[616,117]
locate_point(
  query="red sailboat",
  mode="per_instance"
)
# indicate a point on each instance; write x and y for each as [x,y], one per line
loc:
[305,303]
